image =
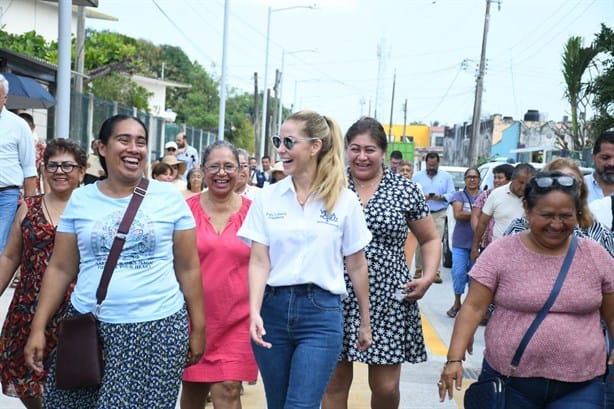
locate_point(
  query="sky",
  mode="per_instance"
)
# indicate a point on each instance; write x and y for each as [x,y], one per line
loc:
[339,54]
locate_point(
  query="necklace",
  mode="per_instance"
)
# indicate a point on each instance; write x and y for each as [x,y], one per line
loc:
[375,181]
[48,212]
[302,202]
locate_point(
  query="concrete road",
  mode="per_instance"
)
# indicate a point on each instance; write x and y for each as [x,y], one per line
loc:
[418,382]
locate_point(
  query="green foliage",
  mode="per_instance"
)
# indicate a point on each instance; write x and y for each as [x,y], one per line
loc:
[111,57]
[29,43]
[576,61]
[602,86]
[118,87]
[104,47]
[239,120]
[200,105]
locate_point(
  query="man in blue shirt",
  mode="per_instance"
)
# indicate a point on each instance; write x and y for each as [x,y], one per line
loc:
[438,188]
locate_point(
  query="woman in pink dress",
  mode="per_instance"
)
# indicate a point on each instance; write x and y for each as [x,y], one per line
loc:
[219,213]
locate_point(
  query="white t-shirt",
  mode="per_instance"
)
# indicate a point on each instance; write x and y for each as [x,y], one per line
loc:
[504,206]
[602,210]
[306,245]
[143,286]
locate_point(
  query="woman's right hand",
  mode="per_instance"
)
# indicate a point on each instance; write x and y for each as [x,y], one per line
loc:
[257,331]
[34,350]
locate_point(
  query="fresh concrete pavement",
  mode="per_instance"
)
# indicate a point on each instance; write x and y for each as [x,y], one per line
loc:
[418,382]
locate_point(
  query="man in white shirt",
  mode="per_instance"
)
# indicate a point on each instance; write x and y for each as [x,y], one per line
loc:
[504,204]
[186,153]
[600,183]
[17,163]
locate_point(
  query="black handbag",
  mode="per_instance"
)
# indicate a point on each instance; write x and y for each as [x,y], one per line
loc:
[490,393]
[79,361]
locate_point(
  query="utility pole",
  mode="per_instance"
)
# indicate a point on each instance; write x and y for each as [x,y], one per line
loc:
[256,112]
[394,82]
[404,120]
[479,86]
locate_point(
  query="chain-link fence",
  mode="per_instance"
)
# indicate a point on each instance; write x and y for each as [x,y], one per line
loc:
[87,113]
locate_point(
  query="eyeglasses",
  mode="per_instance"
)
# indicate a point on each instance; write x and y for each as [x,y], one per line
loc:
[171,149]
[547,181]
[243,165]
[228,168]
[288,141]
[67,167]
[472,177]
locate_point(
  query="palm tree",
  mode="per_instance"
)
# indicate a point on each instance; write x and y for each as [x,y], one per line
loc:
[576,60]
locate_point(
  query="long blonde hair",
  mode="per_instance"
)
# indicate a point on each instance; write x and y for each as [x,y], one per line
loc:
[330,173]
[585,217]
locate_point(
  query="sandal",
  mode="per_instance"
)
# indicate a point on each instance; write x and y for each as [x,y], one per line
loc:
[452,312]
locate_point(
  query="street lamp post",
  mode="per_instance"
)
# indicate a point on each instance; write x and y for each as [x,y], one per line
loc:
[266,70]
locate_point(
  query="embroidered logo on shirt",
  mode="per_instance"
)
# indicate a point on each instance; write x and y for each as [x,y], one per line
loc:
[276,215]
[328,218]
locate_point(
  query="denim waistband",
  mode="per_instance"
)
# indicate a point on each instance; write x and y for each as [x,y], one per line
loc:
[297,288]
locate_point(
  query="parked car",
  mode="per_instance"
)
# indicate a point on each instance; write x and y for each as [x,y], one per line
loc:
[487,176]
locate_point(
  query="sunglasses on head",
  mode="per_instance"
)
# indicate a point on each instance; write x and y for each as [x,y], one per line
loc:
[288,141]
[548,181]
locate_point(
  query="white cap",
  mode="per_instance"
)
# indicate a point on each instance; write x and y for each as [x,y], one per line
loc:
[170,144]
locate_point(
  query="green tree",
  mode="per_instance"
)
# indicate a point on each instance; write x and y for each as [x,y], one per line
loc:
[576,61]
[200,105]
[602,86]
[239,120]
[120,88]
[29,43]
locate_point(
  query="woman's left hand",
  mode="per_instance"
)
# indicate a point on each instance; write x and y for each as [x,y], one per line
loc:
[197,347]
[364,337]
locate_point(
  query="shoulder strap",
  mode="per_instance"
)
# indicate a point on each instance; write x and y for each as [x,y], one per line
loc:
[120,239]
[468,198]
[549,302]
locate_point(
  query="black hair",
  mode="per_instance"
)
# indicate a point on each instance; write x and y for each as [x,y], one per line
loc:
[506,169]
[62,145]
[605,137]
[220,144]
[28,118]
[265,157]
[532,191]
[474,169]
[107,128]
[431,155]
[371,126]
[396,155]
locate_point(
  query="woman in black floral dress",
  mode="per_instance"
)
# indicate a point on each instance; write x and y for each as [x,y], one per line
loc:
[391,204]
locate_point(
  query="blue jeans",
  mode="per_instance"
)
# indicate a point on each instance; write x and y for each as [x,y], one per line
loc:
[304,324]
[8,208]
[542,393]
[461,264]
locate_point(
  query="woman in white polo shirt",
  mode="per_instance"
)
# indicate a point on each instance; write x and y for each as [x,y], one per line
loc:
[301,230]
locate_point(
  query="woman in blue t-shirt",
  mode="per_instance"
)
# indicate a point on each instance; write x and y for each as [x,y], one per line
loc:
[143,321]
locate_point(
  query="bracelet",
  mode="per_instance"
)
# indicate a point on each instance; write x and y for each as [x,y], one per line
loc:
[450,361]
